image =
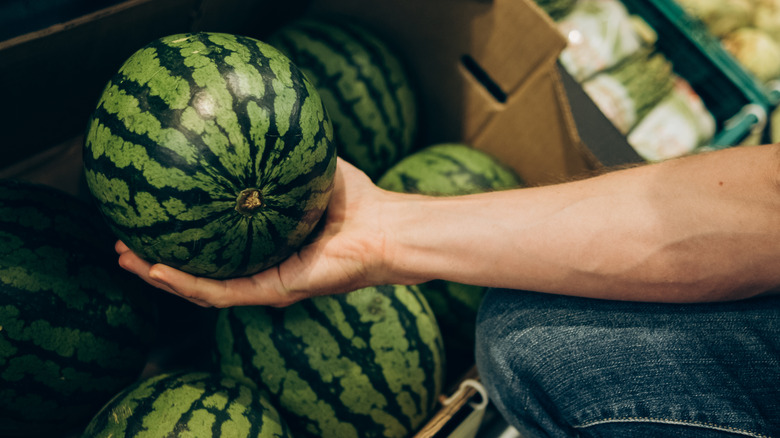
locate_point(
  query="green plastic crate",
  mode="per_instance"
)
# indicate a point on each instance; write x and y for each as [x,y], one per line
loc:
[737,100]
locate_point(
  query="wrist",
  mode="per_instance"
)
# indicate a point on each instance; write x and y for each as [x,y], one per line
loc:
[407,238]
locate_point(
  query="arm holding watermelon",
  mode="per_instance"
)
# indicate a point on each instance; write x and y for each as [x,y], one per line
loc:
[694,229]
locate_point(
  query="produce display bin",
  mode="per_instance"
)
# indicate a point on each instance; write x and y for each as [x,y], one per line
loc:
[486,71]
[736,99]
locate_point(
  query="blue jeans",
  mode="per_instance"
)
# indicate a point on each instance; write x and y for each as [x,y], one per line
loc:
[558,366]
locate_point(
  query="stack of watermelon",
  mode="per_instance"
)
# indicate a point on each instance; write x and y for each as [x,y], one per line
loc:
[216,154]
[449,169]
[188,404]
[364,85]
[74,328]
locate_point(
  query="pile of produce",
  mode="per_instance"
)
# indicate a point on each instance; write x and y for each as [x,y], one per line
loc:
[364,85]
[215,153]
[74,328]
[613,55]
[748,29]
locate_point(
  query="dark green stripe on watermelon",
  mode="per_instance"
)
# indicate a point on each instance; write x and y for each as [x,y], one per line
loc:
[192,126]
[74,327]
[363,84]
[188,404]
[449,169]
[365,364]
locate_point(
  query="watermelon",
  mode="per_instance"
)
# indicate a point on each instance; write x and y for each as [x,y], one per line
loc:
[447,169]
[364,85]
[211,153]
[187,403]
[74,327]
[364,364]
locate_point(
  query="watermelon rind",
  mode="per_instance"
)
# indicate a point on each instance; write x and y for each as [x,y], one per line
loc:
[212,153]
[188,404]
[449,169]
[74,327]
[369,363]
[364,84]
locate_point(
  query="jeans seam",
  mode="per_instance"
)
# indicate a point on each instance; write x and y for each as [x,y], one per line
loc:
[672,421]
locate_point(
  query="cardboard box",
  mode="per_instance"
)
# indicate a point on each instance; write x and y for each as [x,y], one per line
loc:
[487,75]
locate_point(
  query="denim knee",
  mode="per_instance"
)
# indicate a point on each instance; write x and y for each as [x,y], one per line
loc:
[563,366]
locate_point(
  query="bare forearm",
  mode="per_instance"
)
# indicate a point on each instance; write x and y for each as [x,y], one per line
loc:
[697,229]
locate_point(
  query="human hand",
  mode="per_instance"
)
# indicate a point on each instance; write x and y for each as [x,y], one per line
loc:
[347,254]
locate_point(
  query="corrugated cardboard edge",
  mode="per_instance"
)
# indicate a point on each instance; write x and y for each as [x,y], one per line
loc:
[529,124]
[536,135]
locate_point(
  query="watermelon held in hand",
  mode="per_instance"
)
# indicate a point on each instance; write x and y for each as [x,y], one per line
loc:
[449,169]
[74,327]
[211,153]
[365,364]
[364,86]
[188,404]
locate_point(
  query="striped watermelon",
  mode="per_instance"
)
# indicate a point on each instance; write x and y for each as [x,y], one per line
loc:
[443,170]
[365,364]
[188,404]
[211,153]
[364,85]
[74,327]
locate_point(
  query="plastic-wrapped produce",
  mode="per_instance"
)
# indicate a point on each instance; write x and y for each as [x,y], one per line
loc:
[675,127]
[599,33]
[629,90]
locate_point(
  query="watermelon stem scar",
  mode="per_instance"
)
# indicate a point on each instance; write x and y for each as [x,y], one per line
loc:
[248,201]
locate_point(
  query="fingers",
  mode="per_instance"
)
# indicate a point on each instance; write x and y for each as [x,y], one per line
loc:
[120,247]
[132,263]
[129,261]
[261,289]
[197,290]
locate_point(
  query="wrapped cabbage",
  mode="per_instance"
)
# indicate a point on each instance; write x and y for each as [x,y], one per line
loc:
[756,51]
[599,33]
[678,125]
[629,90]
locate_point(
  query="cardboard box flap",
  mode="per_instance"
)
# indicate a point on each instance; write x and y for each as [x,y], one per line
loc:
[536,135]
[449,44]
[511,42]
